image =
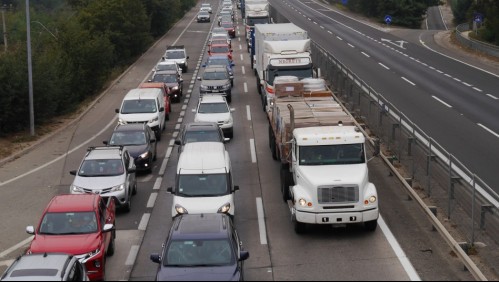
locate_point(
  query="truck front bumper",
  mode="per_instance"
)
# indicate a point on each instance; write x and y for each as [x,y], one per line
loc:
[336,218]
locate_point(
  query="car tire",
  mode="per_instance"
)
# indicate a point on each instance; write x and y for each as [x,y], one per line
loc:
[112,245]
[128,206]
[230,134]
[134,191]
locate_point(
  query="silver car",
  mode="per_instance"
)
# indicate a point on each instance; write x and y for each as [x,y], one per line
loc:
[107,171]
[216,80]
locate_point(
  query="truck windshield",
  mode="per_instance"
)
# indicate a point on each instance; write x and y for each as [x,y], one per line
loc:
[190,253]
[251,21]
[301,73]
[204,185]
[332,154]
[71,223]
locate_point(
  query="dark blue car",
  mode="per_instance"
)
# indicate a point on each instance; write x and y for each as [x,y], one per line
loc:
[202,247]
[222,61]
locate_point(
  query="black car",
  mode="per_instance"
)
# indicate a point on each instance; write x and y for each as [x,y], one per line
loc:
[200,132]
[173,80]
[201,247]
[140,141]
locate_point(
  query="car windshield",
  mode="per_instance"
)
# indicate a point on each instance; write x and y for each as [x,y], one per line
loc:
[165,78]
[218,62]
[202,136]
[71,223]
[215,75]
[175,54]
[219,41]
[204,185]
[190,253]
[218,30]
[332,154]
[101,168]
[142,106]
[165,67]
[204,13]
[213,108]
[128,138]
[220,49]
[227,25]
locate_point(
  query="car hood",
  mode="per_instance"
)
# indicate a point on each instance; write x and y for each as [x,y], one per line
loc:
[99,183]
[70,244]
[172,84]
[212,117]
[178,61]
[143,117]
[215,82]
[137,150]
[215,273]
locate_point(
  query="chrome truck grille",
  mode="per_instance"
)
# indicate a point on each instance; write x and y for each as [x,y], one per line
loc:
[338,194]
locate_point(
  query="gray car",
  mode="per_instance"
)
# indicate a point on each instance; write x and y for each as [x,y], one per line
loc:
[216,80]
[46,267]
[203,16]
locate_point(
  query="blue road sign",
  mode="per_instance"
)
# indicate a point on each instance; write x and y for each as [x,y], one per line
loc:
[478,18]
[388,19]
[345,2]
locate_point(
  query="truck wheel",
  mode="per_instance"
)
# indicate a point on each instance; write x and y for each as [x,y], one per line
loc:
[285,183]
[273,147]
[270,137]
[111,248]
[258,85]
[300,228]
[371,225]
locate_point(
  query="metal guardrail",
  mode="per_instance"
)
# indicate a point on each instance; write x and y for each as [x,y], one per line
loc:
[489,49]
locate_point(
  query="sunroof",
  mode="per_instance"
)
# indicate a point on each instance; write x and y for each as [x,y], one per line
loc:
[34,272]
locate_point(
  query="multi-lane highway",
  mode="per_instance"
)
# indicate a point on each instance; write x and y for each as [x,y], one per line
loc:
[403,248]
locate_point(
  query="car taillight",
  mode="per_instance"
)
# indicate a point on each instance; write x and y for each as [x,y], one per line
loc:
[270,89]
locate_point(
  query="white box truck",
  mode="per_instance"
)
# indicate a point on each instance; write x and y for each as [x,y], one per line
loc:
[280,50]
[257,12]
[324,174]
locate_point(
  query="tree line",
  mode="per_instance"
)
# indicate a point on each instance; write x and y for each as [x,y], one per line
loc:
[77,46]
[465,11]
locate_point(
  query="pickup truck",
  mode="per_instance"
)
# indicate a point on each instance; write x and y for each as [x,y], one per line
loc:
[79,225]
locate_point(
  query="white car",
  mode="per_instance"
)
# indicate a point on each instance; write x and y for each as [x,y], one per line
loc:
[214,108]
[207,7]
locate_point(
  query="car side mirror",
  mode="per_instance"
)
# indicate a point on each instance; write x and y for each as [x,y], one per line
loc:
[177,142]
[30,230]
[132,170]
[108,228]
[187,57]
[232,110]
[156,258]
[226,140]
[105,143]
[73,172]
[169,190]
[204,65]
[162,109]
[232,64]
[243,255]
[153,141]
[117,111]
[236,188]
[199,78]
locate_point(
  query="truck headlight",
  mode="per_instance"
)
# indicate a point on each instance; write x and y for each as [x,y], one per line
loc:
[118,188]
[154,120]
[304,203]
[371,200]
[76,189]
[180,210]
[224,209]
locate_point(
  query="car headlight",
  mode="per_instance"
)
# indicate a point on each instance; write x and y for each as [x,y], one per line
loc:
[85,257]
[144,155]
[154,120]
[203,87]
[180,210]
[121,121]
[118,188]
[226,86]
[175,88]
[76,189]
[224,209]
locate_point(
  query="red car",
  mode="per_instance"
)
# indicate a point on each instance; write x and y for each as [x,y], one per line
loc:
[79,225]
[220,49]
[166,94]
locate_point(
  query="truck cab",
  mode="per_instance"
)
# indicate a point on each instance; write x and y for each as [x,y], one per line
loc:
[330,177]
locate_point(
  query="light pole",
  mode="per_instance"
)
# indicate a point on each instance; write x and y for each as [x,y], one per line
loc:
[30,72]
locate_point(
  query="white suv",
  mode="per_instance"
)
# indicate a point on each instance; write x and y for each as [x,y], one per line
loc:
[107,171]
[214,108]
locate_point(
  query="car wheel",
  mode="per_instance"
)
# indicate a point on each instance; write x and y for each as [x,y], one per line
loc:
[128,205]
[158,135]
[230,134]
[111,248]
[134,191]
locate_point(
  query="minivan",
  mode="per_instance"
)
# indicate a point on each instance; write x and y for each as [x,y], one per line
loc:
[203,182]
[144,105]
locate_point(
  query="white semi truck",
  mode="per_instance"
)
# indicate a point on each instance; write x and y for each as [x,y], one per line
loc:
[324,174]
[257,12]
[280,50]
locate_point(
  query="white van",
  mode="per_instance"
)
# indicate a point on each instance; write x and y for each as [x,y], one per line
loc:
[145,105]
[204,180]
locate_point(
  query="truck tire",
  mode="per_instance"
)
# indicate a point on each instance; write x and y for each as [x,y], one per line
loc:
[264,102]
[286,181]
[272,144]
[300,228]
[371,225]
[258,85]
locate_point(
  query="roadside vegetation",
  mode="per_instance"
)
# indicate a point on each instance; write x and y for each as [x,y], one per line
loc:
[466,10]
[78,46]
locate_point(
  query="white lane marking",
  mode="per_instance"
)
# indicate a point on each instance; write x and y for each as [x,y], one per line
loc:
[253,151]
[492,96]
[351,45]
[448,75]
[489,130]
[184,107]
[175,134]
[182,113]
[248,112]
[408,81]
[177,127]
[132,256]
[330,32]
[245,87]
[436,98]
[180,120]
[144,221]
[186,101]
[366,55]
[478,89]
[457,79]
[467,84]
[172,142]
[16,246]
[7,262]
[404,260]
[261,221]
[384,66]
[339,38]
[113,122]
[240,47]
[322,27]
[242,58]
[157,183]
[166,159]
[243,70]
[152,200]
